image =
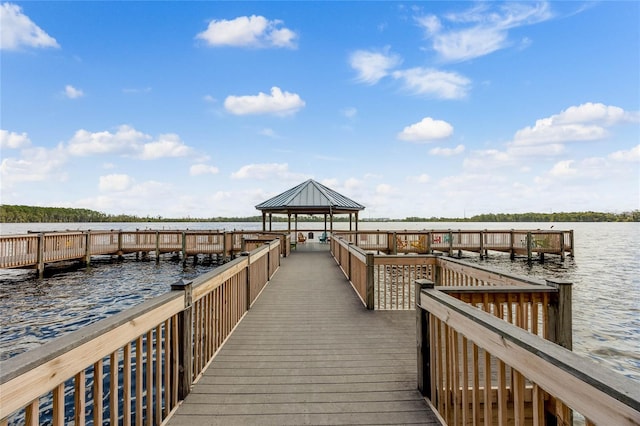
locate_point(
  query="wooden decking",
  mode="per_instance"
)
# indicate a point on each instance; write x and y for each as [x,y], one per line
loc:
[309,352]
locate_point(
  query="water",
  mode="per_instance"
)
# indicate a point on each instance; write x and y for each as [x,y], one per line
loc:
[605,273]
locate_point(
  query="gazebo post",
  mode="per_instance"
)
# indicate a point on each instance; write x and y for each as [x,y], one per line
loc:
[356,221]
[270,219]
[289,222]
[264,218]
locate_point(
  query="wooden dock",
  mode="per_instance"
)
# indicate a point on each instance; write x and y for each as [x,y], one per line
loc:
[309,352]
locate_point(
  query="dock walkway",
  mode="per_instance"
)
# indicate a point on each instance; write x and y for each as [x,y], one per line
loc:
[309,352]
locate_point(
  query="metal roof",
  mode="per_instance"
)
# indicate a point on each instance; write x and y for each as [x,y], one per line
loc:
[310,197]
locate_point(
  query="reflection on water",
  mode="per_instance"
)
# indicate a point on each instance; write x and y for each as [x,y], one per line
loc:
[37,310]
[605,273]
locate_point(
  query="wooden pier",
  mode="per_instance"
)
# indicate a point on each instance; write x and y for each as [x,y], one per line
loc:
[333,334]
[308,352]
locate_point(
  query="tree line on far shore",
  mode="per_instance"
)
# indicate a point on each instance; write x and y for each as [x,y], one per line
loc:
[34,214]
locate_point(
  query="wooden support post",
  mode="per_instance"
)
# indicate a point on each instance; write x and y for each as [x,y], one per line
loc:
[481,244]
[561,236]
[87,245]
[394,245]
[423,340]
[512,246]
[157,247]
[40,255]
[184,249]
[248,282]
[185,343]
[437,278]
[450,243]
[119,245]
[370,281]
[571,240]
[560,315]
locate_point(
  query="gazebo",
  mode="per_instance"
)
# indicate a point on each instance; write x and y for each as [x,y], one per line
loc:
[309,198]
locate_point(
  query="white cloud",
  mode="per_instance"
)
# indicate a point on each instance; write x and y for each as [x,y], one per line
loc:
[584,122]
[203,169]
[632,155]
[267,171]
[35,165]
[447,152]
[432,82]
[210,99]
[481,30]
[125,140]
[248,31]
[17,30]
[115,183]
[72,93]
[373,66]
[563,168]
[168,145]
[426,130]
[12,140]
[278,102]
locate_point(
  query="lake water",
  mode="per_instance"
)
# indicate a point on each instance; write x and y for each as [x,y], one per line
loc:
[605,273]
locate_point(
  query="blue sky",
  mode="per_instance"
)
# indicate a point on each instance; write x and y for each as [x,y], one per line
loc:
[204,109]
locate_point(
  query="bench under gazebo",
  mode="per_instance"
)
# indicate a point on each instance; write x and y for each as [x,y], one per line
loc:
[309,198]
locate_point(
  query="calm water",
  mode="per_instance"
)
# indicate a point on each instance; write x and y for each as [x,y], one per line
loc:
[605,273]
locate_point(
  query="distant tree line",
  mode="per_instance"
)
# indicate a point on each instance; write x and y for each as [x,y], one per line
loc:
[33,214]
[632,216]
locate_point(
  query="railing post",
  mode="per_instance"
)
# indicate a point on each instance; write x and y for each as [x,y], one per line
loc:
[349,260]
[40,255]
[248,283]
[87,246]
[529,245]
[185,343]
[370,282]
[394,244]
[437,273]
[184,249]
[157,246]
[512,253]
[423,340]
[560,315]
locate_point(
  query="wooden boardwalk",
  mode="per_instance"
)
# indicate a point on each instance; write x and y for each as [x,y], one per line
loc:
[308,352]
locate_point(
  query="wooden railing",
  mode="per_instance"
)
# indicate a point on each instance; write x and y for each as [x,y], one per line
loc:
[385,282]
[475,367]
[514,242]
[136,366]
[37,250]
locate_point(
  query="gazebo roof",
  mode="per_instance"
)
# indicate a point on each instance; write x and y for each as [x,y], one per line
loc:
[310,197]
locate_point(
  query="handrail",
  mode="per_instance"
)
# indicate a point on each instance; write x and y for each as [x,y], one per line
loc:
[157,348]
[449,329]
[513,241]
